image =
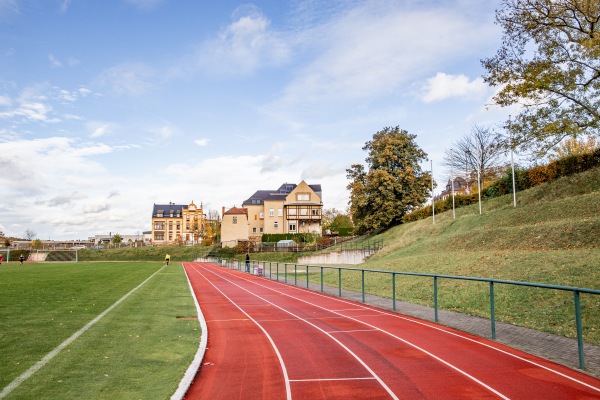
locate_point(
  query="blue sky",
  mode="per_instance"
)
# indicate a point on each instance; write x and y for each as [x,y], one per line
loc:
[107,107]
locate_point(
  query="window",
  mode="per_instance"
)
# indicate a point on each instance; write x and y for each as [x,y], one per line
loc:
[303,211]
[293,227]
[262,215]
[271,212]
[279,212]
[235,220]
[261,230]
[170,226]
[159,226]
[159,236]
[315,211]
[275,225]
[178,226]
[160,213]
[253,230]
[303,196]
[292,211]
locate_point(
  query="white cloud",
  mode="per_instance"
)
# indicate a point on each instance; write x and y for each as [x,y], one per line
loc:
[54,61]
[201,142]
[5,101]
[443,86]
[372,50]
[95,207]
[128,79]
[244,46]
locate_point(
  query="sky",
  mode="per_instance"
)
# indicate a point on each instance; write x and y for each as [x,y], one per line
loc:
[108,107]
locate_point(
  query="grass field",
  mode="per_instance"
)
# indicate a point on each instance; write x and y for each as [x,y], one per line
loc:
[138,350]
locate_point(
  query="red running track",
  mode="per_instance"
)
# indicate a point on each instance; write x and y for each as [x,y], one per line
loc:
[269,340]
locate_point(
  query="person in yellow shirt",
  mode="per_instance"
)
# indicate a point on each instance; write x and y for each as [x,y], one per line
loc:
[167,258]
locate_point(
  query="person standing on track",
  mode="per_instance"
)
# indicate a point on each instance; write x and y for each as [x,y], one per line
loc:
[167,258]
[21,259]
[247,262]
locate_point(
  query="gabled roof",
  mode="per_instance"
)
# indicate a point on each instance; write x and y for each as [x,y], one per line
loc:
[167,208]
[236,211]
[260,196]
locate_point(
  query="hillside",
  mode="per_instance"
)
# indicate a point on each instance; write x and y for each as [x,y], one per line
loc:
[552,236]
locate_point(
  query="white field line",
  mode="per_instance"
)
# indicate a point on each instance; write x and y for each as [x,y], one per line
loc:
[288,389]
[460,371]
[356,357]
[34,368]
[370,378]
[190,373]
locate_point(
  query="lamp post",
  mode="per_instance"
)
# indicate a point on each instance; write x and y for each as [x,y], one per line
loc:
[476,166]
[512,164]
[432,196]
[452,183]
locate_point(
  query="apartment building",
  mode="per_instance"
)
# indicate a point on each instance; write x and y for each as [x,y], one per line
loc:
[177,224]
[289,209]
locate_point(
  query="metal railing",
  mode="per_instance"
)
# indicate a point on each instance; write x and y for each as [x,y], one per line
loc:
[289,273]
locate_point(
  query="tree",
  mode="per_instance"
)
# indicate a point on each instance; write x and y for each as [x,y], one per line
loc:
[334,219]
[116,239]
[574,146]
[394,183]
[479,150]
[549,62]
[30,234]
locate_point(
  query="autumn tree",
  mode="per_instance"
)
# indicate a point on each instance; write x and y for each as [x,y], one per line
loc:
[575,146]
[479,150]
[116,239]
[393,183]
[549,63]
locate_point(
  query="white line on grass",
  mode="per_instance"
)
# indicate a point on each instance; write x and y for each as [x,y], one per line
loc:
[33,369]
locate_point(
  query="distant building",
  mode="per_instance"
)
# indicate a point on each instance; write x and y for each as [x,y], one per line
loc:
[177,224]
[461,186]
[290,209]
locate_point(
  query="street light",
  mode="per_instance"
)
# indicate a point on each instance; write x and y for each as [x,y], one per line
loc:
[512,164]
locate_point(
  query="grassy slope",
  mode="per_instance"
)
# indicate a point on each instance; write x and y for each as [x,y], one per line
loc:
[553,236]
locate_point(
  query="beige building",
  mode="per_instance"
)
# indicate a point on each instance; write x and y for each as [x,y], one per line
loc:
[234,226]
[174,224]
[290,209]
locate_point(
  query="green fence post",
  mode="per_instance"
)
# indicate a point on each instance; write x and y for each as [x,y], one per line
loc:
[321,279]
[277,270]
[492,311]
[307,276]
[579,330]
[295,275]
[340,282]
[285,272]
[393,291]
[435,297]
[362,284]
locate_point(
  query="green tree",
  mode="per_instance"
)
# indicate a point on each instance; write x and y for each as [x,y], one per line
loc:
[394,183]
[116,239]
[549,63]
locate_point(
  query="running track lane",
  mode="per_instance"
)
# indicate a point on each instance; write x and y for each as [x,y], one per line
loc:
[268,340]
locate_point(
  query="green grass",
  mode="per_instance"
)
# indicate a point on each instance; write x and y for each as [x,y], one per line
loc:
[552,237]
[140,349]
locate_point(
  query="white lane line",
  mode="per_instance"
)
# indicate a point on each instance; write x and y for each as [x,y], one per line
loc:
[34,368]
[369,378]
[356,357]
[355,330]
[455,368]
[190,373]
[288,389]
[441,329]
[438,328]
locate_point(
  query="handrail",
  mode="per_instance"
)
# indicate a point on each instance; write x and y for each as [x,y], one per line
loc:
[575,290]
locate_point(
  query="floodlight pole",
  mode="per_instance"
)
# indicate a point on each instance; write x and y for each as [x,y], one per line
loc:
[432,196]
[512,164]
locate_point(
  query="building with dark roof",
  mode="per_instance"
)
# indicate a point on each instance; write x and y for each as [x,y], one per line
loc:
[177,224]
[289,209]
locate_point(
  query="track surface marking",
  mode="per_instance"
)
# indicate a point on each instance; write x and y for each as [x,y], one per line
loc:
[268,340]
